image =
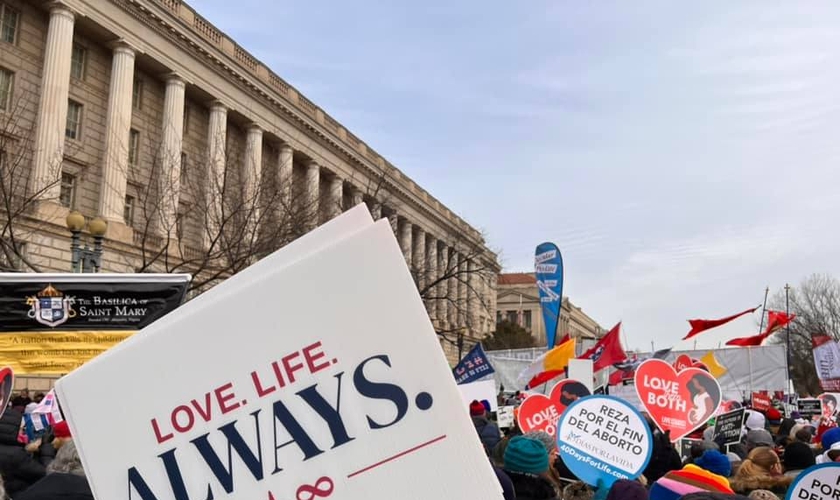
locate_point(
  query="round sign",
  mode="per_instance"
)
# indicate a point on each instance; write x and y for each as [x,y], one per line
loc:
[603,437]
[820,482]
[540,413]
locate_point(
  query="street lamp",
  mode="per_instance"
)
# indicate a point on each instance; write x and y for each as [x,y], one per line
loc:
[85,260]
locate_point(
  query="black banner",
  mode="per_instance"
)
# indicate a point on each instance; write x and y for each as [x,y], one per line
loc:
[809,407]
[75,302]
[729,425]
[685,447]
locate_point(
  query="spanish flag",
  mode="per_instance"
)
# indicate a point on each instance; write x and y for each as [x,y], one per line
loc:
[549,366]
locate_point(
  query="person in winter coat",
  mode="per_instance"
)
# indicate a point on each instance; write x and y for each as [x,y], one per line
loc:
[762,470]
[18,468]
[797,458]
[665,458]
[488,431]
[526,463]
[624,489]
[65,479]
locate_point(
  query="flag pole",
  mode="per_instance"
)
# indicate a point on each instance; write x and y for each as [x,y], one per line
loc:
[763,309]
[787,330]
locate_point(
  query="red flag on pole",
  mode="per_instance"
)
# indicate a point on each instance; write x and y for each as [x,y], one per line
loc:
[701,325]
[607,351]
[776,320]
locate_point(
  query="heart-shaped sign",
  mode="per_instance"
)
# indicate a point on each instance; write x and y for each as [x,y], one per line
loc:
[540,412]
[7,383]
[680,402]
[682,362]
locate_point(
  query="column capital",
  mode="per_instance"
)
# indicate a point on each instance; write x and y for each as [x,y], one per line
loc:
[58,8]
[337,178]
[121,46]
[253,128]
[310,164]
[286,147]
[217,105]
[174,79]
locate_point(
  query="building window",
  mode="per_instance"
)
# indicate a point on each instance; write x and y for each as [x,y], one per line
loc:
[73,129]
[526,319]
[498,317]
[512,317]
[186,120]
[67,195]
[133,147]
[184,160]
[128,210]
[77,62]
[7,79]
[137,94]
[9,20]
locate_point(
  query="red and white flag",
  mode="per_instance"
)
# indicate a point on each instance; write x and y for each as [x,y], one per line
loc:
[607,351]
[48,408]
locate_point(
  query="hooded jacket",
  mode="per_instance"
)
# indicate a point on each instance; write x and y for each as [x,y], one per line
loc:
[58,486]
[776,484]
[488,432]
[17,467]
[531,487]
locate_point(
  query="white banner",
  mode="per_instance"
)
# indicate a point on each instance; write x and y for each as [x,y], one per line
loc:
[827,361]
[320,378]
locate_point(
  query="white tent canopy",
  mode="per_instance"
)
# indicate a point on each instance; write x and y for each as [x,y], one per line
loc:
[748,368]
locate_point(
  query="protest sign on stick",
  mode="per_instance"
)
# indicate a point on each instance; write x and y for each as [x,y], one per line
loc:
[728,426]
[287,407]
[809,407]
[604,438]
[680,402]
[761,402]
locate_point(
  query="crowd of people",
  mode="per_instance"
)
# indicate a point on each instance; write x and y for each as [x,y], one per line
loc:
[772,452]
[40,464]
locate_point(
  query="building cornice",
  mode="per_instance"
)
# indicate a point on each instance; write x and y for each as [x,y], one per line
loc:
[182,25]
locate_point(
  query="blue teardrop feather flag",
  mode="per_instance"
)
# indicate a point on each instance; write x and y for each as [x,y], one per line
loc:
[548,267]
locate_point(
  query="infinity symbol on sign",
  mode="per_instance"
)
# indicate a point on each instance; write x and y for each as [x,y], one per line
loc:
[322,488]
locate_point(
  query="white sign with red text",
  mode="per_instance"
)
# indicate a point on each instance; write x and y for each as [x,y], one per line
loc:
[321,380]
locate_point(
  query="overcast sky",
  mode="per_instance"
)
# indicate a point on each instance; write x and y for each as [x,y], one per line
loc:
[682,155]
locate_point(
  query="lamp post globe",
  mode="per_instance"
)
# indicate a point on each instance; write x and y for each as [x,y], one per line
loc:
[97,227]
[75,221]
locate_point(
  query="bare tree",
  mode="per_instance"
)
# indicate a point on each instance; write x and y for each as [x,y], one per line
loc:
[225,220]
[20,197]
[816,303]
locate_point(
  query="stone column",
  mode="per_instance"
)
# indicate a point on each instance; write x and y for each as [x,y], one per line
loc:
[336,196]
[471,290]
[357,197]
[394,220]
[405,239]
[418,256]
[117,129]
[215,174]
[285,163]
[313,185]
[452,287]
[462,291]
[443,286]
[376,210]
[431,268]
[252,176]
[170,153]
[52,105]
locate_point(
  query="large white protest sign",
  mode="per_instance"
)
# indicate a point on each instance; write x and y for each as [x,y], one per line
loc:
[604,438]
[820,482]
[350,222]
[336,386]
[483,390]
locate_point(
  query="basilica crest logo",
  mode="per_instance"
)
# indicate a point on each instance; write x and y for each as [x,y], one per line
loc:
[50,307]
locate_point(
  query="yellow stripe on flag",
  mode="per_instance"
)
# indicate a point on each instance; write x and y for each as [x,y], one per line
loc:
[558,358]
[715,368]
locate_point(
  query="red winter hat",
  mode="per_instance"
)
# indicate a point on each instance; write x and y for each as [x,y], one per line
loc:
[61,430]
[774,415]
[477,409]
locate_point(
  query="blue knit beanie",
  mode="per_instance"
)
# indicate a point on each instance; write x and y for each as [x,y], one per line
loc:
[830,437]
[526,455]
[714,462]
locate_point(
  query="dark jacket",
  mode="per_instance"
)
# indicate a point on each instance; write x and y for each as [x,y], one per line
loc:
[664,458]
[488,432]
[530,487]
[507,485]
[56,486]
[17,467]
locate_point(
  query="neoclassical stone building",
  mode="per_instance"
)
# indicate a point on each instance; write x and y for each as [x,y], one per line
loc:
[122,101]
